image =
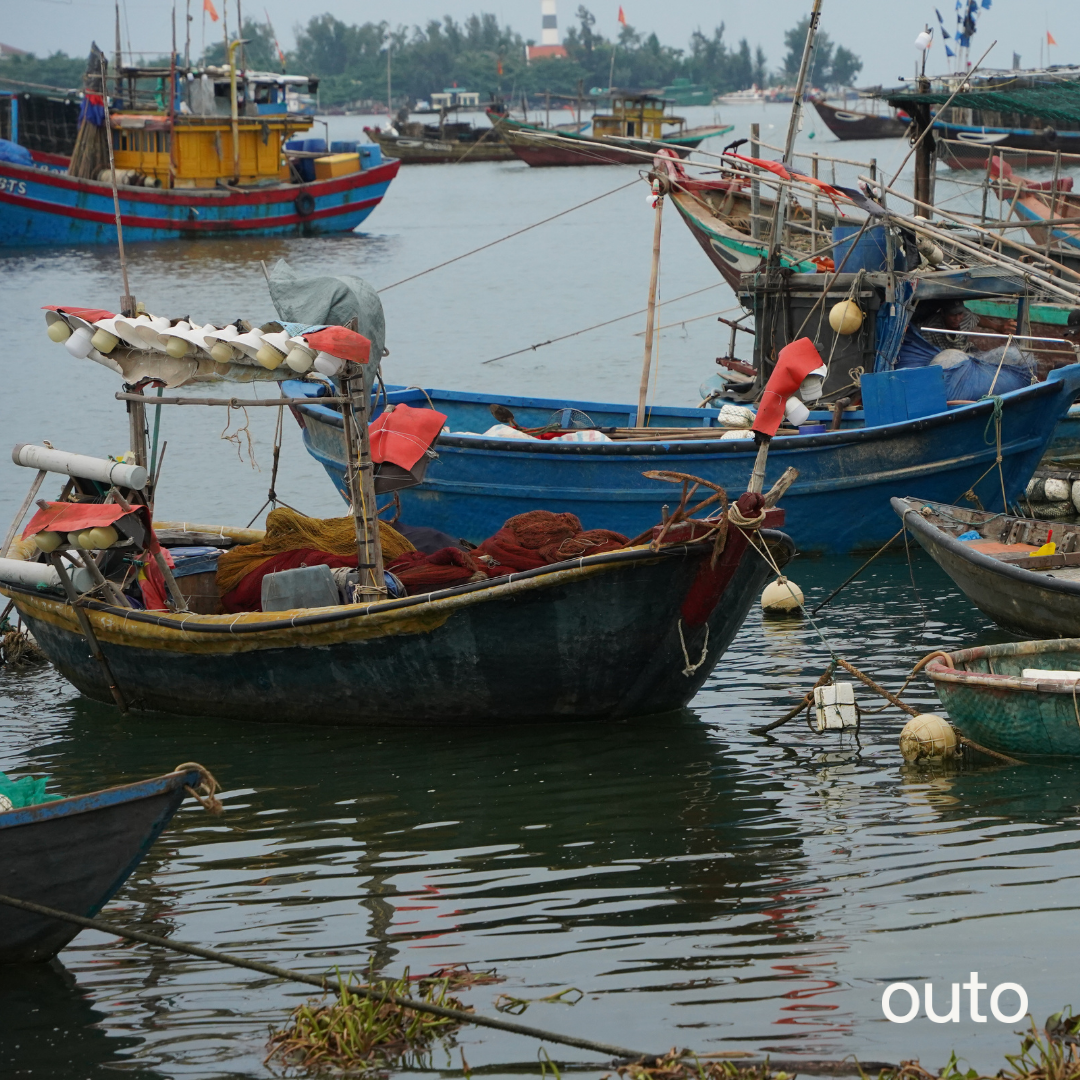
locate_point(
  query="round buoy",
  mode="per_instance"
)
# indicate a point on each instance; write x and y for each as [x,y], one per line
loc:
[778,599]
[102,537]
[48,541]
[58,331]
[845,317]
[5,804]
[927,736]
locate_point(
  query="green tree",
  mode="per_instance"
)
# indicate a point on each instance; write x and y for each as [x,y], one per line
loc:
[845,66]
[260,53]
[57,70]
[830,65]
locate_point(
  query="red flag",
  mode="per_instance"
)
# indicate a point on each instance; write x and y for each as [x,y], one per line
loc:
[622,15]
[1050,38]
[500,65]
[208,7]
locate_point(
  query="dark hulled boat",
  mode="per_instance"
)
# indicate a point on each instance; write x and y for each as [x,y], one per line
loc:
[440,144]
[847,124]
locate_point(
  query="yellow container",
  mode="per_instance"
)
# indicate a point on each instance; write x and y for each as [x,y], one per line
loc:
[334,165]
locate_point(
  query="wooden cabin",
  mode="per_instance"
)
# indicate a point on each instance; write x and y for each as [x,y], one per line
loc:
[636,116]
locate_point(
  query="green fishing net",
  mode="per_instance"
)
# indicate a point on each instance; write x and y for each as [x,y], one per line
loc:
[26,791]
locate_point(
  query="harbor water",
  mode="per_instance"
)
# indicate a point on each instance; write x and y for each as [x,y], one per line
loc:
[703,886]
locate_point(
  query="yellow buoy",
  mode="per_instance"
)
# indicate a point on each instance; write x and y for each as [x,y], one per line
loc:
[927,736]
[102,537]
[223,352]
[103,341]
[178,348]
[48,541]
[845,317]
[781,597]
[73,539]
[58,331]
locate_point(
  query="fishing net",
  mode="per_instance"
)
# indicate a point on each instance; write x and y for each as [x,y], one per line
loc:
[1058,100]
[540,537]
[286,530]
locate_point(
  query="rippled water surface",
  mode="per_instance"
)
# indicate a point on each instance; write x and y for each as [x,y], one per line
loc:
[702,885]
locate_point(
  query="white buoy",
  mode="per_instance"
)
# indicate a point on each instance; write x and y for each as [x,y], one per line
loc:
[781,597]
[927,736]
[17,572]
[88,468]
[1057,490]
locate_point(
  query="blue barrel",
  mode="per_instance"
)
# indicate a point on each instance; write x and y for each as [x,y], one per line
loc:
[870,251]
[370,155]
[345,147]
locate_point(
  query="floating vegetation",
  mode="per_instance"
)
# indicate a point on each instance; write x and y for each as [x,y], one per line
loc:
[361,1034]
[461,977]
[515,1006]
[683,1065]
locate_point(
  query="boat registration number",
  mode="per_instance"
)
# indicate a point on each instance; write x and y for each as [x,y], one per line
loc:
[12,186]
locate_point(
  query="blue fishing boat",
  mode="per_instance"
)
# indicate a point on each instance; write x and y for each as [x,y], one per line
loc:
[840,502]
[74,854]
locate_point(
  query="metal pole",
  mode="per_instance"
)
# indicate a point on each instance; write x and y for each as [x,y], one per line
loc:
[646,365]
[127,301]
[755,184]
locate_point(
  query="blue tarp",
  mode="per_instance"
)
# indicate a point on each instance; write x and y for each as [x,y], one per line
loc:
[14,154]
[973,378]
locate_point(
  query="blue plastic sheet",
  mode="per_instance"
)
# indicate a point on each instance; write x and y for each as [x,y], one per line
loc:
[14,154]
[972,379]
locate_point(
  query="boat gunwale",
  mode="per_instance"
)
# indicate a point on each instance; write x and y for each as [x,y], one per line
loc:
[674,445]
[440,601]
[939,671]
[942,539]
[90,801]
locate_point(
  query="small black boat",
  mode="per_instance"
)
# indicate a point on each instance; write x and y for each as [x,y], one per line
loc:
[74,855]
[846,124]
[1034,595]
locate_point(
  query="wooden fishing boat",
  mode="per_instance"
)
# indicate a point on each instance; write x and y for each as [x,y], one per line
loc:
[75,853]
[187,173]
[1017,698]
[634,128]
[599,637]
[848,124]
[839,505]
[1051,208]
[1025,593]
[441,144]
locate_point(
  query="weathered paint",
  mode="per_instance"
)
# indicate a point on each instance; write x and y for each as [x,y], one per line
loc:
[992,704]
[74,854]
[596,638]
[38,206]
[839,503]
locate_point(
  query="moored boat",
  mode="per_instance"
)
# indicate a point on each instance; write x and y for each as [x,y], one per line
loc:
[849,124]
[1016,698]
[633,129]
[75,853]
[440,144]
[1000,564]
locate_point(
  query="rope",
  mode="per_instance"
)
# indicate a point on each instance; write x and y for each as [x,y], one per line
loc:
[206,793]
[735,516]
[597,326]
[691,668]
[509,236]
[326,984]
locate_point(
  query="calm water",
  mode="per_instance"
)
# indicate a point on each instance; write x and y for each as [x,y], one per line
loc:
[701,885]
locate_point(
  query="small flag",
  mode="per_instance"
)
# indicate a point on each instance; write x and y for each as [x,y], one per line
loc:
[1050,38]
[500,71]
[208,7]
[948,51]
[622,16]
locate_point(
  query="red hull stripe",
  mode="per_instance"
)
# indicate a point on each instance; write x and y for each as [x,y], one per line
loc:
[171,225]
[185,197]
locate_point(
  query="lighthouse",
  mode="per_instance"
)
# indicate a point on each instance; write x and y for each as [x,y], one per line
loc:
[549,47]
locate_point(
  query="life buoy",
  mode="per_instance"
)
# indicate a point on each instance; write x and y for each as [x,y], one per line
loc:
[305,204]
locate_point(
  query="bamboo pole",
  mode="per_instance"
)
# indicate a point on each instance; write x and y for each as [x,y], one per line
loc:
[233,403]
[1053,201]
[755,184]
[30,496]
[650,318]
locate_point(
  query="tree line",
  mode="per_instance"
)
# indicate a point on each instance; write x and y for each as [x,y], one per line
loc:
[479,54]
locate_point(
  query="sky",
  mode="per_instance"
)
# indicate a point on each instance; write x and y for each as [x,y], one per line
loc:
[881,32]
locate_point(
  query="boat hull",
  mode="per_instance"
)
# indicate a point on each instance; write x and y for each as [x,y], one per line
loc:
[1019,600]
[423,151]
[847,125]
[40,207]
[604,637]
[991,703]
[75,854]
[839,504]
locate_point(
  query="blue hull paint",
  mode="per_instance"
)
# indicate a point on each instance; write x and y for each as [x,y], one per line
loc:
[840,502]
[39,207]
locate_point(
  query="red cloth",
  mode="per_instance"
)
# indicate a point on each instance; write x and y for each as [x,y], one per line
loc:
[795,362]
[342,343]
[90,315]
[247,596]
[402,434]
[790,174]
[442,569]
[65,517]
[152,583]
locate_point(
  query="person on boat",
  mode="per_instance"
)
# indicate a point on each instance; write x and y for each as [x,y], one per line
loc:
[941,328]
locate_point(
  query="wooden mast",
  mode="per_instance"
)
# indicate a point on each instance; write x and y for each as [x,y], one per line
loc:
[650,318]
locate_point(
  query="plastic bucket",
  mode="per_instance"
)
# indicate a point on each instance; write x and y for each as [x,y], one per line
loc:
[869,252]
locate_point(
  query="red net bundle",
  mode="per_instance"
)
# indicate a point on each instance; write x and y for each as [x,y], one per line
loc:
[539,538]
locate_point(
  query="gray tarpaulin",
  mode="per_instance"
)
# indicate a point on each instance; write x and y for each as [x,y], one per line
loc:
[330,301]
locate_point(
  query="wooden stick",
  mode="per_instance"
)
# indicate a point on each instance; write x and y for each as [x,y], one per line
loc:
[757,477]
[88,632]
[646,364]
[108,588]
[26,503]
[178,598]
[233,403]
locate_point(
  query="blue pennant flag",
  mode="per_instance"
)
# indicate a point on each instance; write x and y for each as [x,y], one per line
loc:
[963,41]
[948,51]
[986,3]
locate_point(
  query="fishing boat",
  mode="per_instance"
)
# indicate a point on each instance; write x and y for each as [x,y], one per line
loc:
[848,124]
[440,144]
[75,853]
[1002,564]
[1050,208]
[548,632]
[187,170]
[46,124]
[1016,698]
[634,128]
[683,92]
